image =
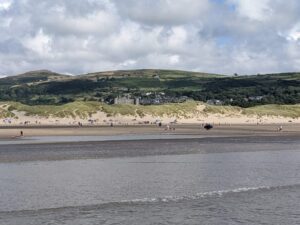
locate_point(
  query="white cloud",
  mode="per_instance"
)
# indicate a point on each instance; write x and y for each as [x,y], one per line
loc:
[174,59]
[100,22]
[5,5]
[40,43]
[130,41]
[294,33]
[253,9]
[177,38]
[128,62]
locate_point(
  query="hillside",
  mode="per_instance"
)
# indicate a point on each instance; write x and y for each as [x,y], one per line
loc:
[32,77]
[164,86]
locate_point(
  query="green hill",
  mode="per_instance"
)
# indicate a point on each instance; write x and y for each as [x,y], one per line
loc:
[32,77]
[46,87]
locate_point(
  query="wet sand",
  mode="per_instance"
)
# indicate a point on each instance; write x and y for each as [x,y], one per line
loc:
[196,140]
[137,148]
[218,130]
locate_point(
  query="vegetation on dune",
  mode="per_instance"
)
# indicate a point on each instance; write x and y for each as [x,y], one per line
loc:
[172,109]
[5,113]
[85,109]
[292,111]
[213,109]
[74,109]
[176,109]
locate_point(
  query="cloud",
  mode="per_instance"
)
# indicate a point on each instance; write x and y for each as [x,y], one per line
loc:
[253,9]
[219,36]
[294,33]
[100,22]
[163,12]
[11,46]
[5,5]
[40,43]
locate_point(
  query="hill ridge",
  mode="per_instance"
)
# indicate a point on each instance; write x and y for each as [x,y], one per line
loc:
[151,86]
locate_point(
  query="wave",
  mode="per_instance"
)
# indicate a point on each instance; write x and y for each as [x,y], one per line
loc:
[165,199]
[200,195]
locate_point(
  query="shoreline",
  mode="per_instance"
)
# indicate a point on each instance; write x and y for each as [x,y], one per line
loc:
[13,132]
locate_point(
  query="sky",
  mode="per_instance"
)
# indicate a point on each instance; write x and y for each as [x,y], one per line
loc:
[215,36]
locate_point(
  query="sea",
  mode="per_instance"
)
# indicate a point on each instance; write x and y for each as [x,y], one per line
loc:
[153,180]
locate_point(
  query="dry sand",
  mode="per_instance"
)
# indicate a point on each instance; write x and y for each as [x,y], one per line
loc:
[99,124]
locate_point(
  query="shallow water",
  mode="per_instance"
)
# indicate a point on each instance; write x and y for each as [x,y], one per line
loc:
[254,186]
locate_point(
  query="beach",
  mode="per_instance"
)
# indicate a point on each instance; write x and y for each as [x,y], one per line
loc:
[67,142]
[8,132]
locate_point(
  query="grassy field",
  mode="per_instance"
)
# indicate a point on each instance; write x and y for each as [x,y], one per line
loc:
[149,73]
[183,110]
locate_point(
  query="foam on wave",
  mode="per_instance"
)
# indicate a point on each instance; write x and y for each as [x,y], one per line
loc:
[165,199]
[219,193]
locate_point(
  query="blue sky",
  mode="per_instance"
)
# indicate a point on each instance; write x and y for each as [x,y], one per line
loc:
[218,36]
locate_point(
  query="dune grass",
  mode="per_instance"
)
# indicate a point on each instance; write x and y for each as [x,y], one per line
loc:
[74,109]
[187,109]
[4,113]
[172,109]
[292,111]
[214,109]
[86,109]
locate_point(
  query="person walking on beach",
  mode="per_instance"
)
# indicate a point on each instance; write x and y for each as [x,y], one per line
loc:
[21,133]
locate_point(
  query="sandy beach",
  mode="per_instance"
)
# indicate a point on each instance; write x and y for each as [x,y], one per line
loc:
[8,132]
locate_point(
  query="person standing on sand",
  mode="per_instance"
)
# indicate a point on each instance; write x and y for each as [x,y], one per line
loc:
[21,133]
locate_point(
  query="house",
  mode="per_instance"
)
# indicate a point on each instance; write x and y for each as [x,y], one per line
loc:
[256,98]
[214,102]
[127,99]
[123,100]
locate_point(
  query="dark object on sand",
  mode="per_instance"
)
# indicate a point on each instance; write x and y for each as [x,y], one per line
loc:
[21,133]
[208,126]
